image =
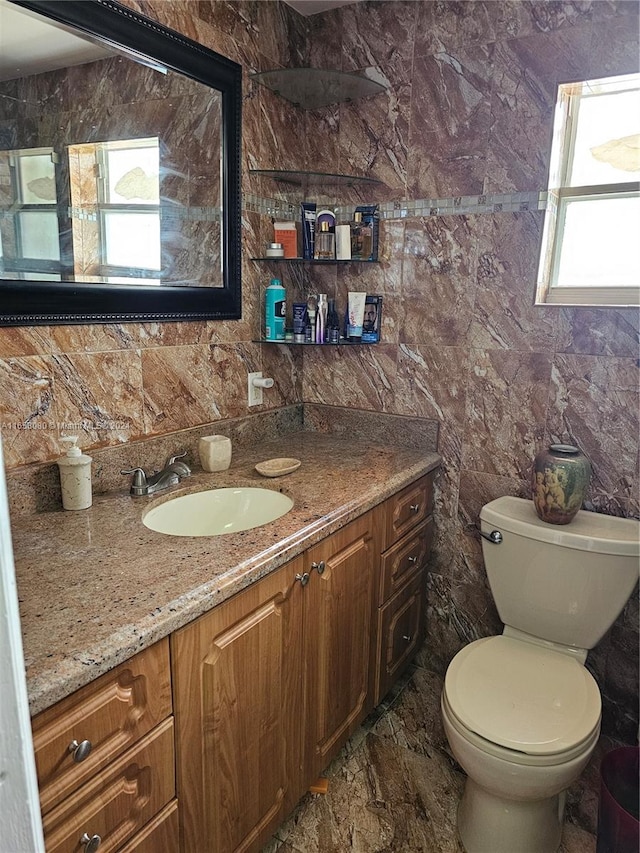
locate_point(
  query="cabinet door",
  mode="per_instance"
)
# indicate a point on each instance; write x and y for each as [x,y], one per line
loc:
[119,801]
[400,633]
[338,620]
[238,704]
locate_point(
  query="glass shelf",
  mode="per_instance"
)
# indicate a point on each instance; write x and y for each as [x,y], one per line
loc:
[314,179]
[312,88]
[342,343]
[316,261]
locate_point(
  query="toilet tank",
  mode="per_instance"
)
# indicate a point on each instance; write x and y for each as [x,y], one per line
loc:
[566,584]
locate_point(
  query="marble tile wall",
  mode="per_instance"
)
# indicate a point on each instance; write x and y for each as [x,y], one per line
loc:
[468,111]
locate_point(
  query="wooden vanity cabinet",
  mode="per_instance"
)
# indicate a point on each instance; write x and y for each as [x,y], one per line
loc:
[105,759]
[401,622]
[268,686]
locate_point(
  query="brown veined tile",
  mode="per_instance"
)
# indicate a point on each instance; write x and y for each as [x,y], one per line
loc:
[594,403]
[97,337]
[599,331]
[507,400]
[450,121]
[24,340]
[505,315]
[99,396]
[528,17]
[284,364]
[27,412]
[179,388]
[360,377]
[525,76]
[438,280]
[173,334]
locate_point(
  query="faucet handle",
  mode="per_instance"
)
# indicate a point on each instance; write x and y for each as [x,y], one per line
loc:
[172,459]
[139,482]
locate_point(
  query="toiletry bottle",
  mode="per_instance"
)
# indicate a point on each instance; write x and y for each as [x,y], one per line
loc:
[325,243]
[361,238]
[75,476]
[310,328]
[275,311]
[333,323]
[321,318]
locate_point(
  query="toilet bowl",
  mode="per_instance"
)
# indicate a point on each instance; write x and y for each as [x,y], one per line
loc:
[522,740]
[521,712]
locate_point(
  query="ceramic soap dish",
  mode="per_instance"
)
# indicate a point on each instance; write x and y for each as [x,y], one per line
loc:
[277,467]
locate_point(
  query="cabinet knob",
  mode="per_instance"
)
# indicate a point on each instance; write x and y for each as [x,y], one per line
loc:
[319,567]
[407,637]
[415,507]
[412,559]
[91,843]
[303,578]
[79,750]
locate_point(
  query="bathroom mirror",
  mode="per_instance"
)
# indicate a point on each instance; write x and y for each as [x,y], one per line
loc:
[119,170]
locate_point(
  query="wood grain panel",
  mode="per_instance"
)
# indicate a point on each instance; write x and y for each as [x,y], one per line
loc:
[112,712]
[120,800]
[405,558]
[338,632]
[160,835]
[400,633]
[239,710]
[408,508]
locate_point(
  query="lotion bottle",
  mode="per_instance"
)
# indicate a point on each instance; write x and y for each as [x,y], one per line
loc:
[75,476]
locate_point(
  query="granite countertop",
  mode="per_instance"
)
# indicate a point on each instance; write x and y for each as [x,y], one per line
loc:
[97,586]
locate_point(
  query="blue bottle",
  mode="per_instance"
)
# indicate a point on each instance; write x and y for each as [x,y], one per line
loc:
[275,311]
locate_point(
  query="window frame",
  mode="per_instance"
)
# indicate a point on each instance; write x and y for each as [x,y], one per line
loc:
[560,193]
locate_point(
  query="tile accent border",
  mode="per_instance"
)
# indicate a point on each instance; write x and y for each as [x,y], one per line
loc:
[515,202]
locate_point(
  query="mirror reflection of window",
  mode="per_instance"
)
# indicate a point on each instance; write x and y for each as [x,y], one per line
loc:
[115,199]
[29,229]
[589,251]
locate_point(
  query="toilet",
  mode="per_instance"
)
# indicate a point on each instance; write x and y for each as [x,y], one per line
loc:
[521,712]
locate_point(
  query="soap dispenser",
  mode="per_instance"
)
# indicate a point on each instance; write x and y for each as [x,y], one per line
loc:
[75,475]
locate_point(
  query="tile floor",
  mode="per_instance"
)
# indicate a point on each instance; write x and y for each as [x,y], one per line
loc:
[394,788]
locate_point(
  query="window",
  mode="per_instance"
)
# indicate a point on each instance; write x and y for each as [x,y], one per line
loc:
[590,253]
[115,209]
[29,236]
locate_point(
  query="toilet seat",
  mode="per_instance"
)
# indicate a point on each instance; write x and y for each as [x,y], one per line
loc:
[522,697]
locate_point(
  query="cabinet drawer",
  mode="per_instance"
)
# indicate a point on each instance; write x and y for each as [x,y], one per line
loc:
[112,713]
[160,834]
[400,633]
[405,558]
[119,801]
[408,508]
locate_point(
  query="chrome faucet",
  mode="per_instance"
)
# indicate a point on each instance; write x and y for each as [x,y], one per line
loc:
[170,475]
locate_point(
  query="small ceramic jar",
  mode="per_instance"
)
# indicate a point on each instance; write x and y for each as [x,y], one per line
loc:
[560,480]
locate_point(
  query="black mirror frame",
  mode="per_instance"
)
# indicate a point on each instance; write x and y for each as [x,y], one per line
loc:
[30,303]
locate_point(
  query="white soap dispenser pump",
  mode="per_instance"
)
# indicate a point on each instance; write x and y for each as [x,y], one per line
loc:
[75,475]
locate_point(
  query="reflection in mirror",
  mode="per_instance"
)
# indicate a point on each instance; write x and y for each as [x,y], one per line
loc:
[112,170]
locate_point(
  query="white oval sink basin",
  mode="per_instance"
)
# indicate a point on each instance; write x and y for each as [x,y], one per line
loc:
[217,511]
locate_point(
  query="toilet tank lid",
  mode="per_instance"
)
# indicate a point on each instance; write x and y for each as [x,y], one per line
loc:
[589,531]
[522,696]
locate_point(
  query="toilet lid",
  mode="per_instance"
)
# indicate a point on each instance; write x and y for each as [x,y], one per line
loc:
[522,696]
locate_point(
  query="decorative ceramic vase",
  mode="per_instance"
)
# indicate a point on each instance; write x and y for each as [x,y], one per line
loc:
[560,479]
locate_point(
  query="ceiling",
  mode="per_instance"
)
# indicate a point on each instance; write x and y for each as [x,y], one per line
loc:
[31,45]
[312,7]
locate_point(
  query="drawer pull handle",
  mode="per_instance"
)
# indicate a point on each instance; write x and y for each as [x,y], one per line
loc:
[303,578]
[407,637]
[91,844]
[415,507]
[80,750]
[412,560]
[319,567]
